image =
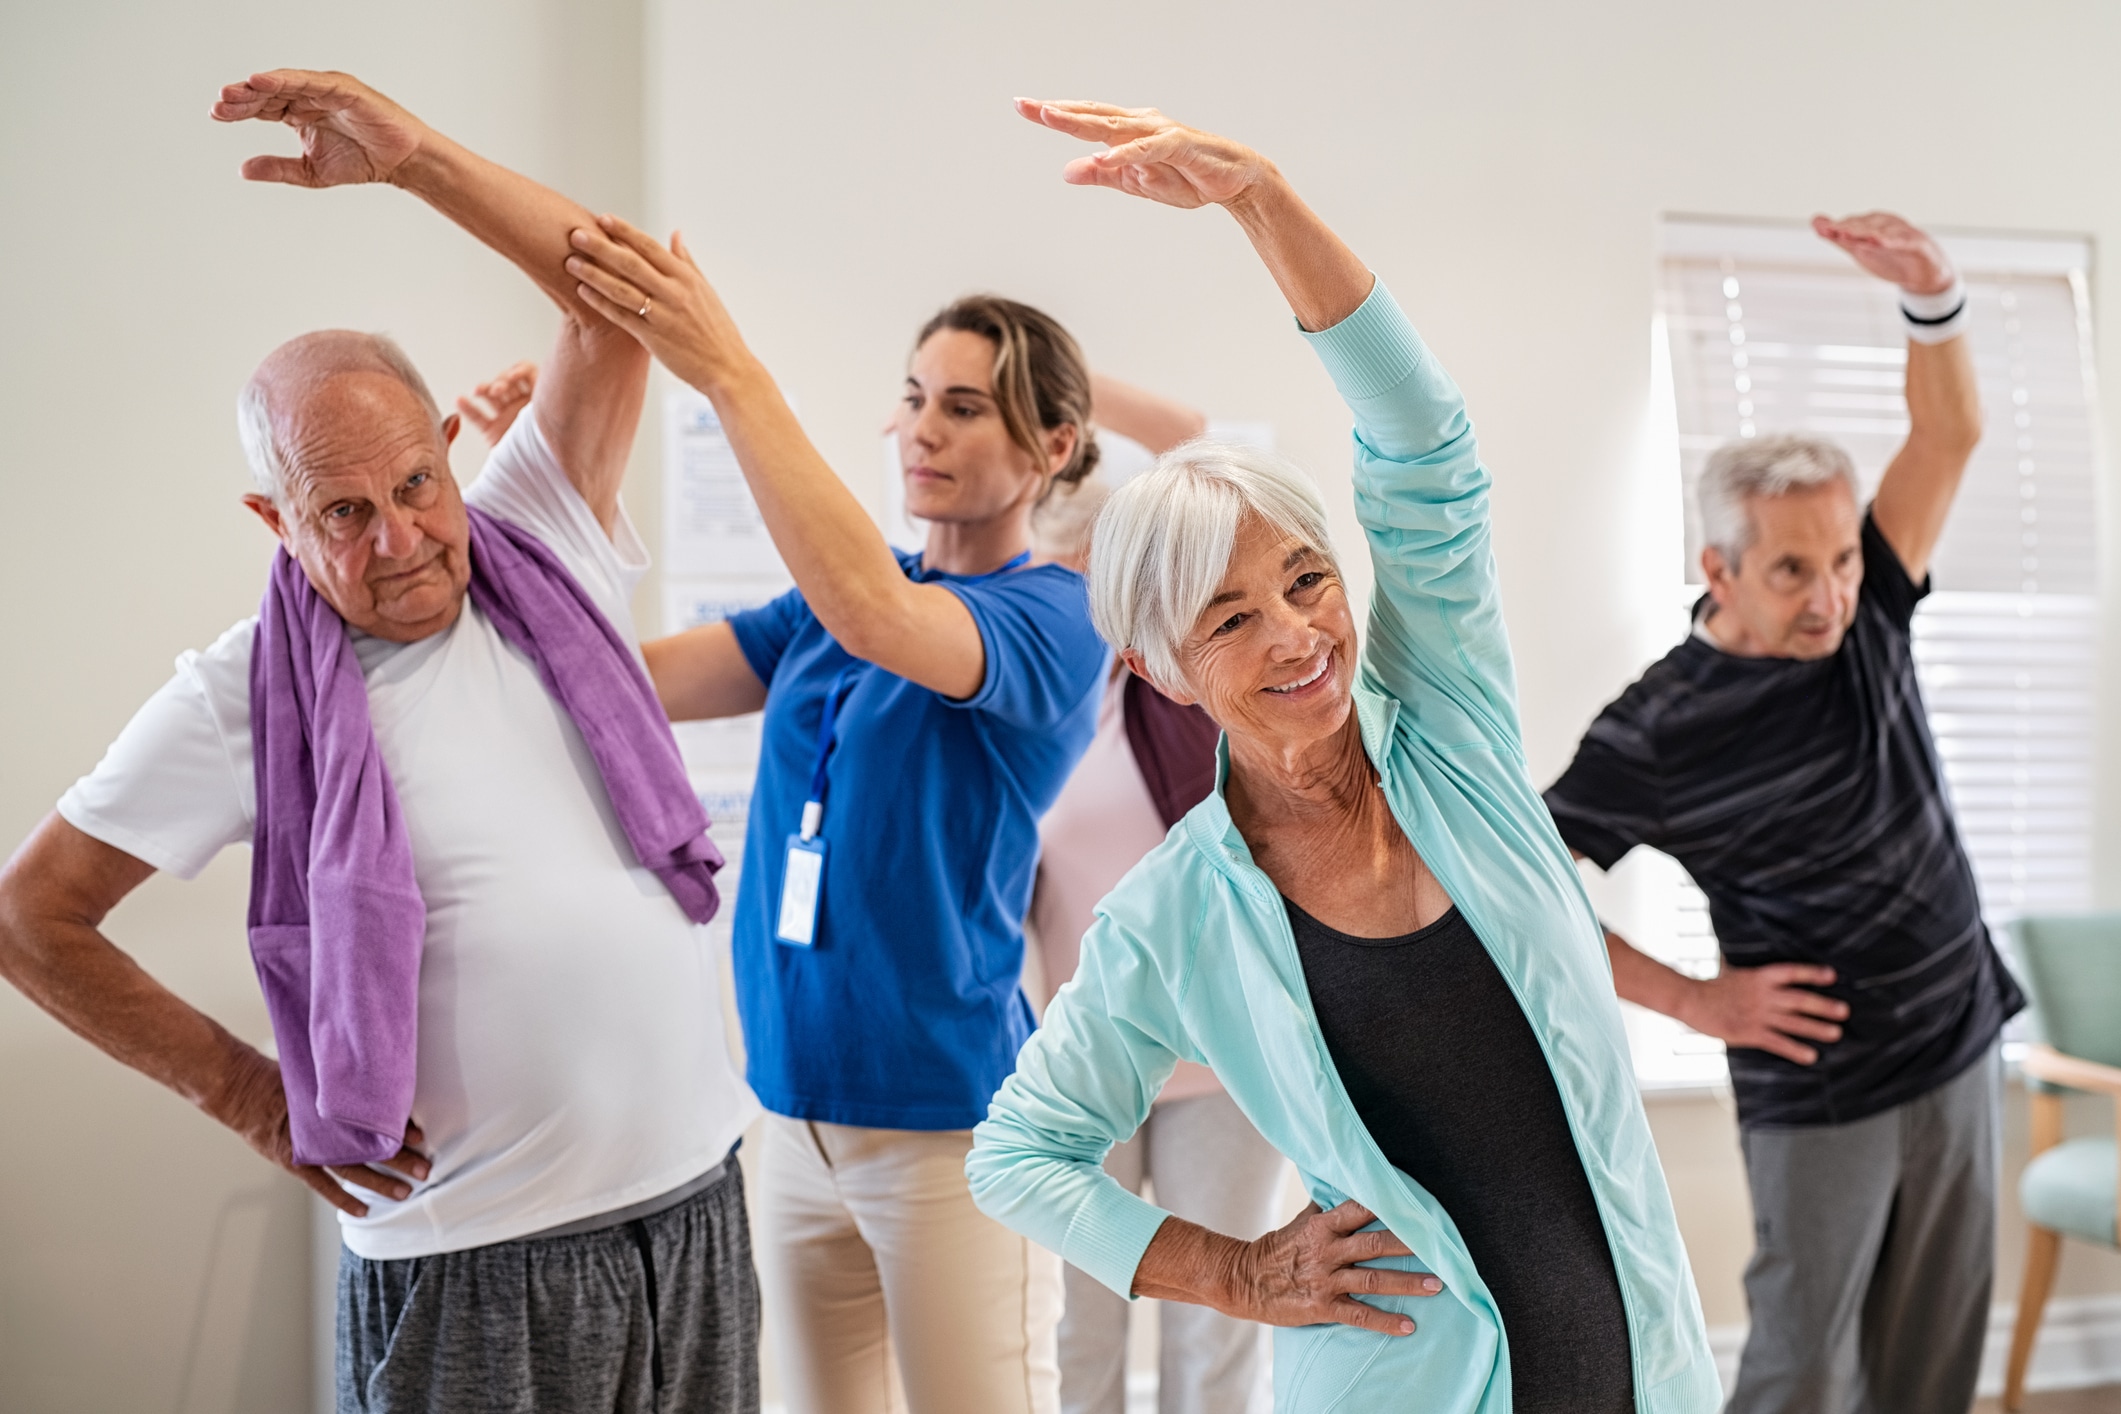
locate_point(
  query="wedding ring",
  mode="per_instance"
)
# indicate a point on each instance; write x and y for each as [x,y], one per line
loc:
[642,312]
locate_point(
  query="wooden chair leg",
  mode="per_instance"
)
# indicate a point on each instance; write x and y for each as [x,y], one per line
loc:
[2043,1249]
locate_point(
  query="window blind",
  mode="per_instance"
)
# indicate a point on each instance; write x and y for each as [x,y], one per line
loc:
[1771,330]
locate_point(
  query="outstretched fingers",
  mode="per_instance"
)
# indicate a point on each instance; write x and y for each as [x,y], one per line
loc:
[644,246]
[594,251]
[294,171]
[1369,1245]
[622,293]
[321,1184]
[625,317]
[1093,122]
[1137,159]
[1775,1043]
[1348,1217]
[268,95]
[1347,1311]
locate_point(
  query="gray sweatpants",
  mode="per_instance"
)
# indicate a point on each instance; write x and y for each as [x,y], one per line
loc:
[653,1315]
[1210,1166]
[1875,1252]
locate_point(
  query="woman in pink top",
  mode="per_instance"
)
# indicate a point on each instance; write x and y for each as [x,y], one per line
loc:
[1150,762]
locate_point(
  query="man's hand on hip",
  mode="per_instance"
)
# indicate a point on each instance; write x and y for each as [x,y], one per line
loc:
[1768,1008]
[254,1104]
[350,132]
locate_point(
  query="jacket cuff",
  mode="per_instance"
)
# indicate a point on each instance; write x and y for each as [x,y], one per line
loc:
[1373,350]
[1110,1232]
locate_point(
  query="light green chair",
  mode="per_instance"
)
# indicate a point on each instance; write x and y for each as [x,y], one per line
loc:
[2071,966]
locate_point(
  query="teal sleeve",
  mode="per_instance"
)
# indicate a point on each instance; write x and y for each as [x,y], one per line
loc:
[1436,636]
[1083,1083]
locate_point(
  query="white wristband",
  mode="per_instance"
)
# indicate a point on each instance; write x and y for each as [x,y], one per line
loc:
[1933,319]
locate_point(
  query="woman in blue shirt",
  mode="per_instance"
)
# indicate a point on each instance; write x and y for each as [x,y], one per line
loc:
[921,712]
[1369,930]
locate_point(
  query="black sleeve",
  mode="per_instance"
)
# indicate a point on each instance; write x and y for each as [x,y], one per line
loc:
[1610,799]
[1885,579]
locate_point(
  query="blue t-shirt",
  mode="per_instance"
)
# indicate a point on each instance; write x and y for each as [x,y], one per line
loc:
[906,1012]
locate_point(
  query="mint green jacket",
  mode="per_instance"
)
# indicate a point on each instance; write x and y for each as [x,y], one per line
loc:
[1191,958]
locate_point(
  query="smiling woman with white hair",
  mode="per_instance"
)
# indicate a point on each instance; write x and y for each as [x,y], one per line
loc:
[1369,930]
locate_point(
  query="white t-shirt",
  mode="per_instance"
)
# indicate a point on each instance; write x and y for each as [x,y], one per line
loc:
[572,1057]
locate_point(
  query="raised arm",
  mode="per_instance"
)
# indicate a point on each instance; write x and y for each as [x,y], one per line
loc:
[54,895]
[589,400]
[1157,422]
[839,559]
[1436,639]
[1943,394]
[1151,156]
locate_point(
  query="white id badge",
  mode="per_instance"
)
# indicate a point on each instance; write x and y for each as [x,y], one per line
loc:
[800,884]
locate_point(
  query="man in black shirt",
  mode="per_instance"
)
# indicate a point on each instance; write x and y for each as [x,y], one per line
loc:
[1782,755]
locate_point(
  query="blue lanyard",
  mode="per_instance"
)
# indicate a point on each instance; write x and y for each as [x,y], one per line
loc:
[827,738]
[828,722]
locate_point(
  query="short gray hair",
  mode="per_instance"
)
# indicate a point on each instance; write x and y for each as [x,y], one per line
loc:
[1162,543]
[298,367]
[1763,466]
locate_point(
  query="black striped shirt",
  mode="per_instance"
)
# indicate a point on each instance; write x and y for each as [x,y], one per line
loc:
[1806,800]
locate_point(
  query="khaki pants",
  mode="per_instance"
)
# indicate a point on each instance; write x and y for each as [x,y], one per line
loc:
[886,1290]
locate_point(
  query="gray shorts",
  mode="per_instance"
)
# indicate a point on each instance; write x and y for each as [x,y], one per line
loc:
[645,1315]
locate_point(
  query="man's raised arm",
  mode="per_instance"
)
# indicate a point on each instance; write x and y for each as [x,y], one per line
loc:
[589,400]
[1943,394]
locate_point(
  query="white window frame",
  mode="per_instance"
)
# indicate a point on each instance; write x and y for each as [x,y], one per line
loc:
[1963,640]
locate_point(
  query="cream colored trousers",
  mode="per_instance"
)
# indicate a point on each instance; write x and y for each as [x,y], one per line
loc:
[887,1291]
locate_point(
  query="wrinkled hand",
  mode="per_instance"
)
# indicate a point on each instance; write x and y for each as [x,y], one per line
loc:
[1305,1274]
[492,406]
[624,271]
[1152,156]
[255,1106]
[350,132]
[1768,1009]
[1891,249]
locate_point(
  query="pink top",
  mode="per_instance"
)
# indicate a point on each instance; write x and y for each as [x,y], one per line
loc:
[1100,827]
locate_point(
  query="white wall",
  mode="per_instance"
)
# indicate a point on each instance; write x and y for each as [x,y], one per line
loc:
[842,172]
[147,1260]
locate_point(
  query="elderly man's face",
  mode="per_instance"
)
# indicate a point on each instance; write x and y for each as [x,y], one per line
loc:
[1793,592]
[370,509]
[1272,660]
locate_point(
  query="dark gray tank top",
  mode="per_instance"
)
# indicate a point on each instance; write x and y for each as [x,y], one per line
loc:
[1447,1076]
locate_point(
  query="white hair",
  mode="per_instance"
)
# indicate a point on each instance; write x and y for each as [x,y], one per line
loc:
[298,367]
[1766,466]
[1162,543]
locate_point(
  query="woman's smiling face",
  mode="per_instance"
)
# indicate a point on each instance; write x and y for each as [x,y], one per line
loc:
[1272,657]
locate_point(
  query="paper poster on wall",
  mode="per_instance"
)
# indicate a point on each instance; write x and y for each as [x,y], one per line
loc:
[688,602]
[711,525]
[1250,434]
[717,561]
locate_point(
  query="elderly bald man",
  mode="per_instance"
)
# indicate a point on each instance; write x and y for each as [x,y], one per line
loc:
[478,871]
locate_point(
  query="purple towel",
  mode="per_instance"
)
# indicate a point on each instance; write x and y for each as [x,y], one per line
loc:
[336,918]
